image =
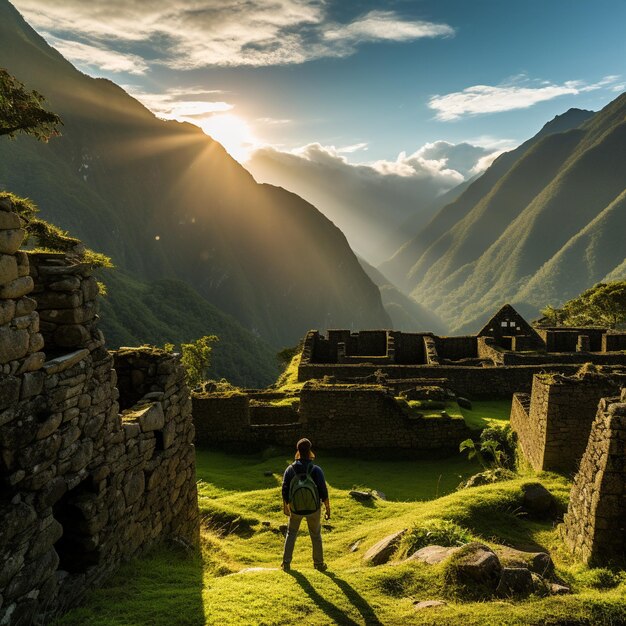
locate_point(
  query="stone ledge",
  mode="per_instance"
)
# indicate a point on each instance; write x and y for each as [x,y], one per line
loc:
[61,363]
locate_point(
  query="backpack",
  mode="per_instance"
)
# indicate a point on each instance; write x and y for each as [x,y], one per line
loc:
[304,497]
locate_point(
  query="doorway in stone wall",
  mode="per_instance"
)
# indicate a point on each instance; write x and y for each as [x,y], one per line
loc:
[78,546]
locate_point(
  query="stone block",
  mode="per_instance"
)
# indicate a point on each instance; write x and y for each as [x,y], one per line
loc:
[17,288]
[70,283]
[13,344]
[71,336]
[9,394]
[149,418]
[7,311]
[33,362]
[134,487]
[23,264]
[8,268]
[9,220]
[25,306]
[11,240]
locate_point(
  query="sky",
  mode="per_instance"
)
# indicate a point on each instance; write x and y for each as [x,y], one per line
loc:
[402,88]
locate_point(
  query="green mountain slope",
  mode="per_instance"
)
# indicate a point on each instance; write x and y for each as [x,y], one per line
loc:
[543,231]
[406,314]
[166,201]
[169,311]
[433,241]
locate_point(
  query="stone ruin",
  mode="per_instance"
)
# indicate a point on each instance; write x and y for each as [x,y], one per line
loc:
[339,417]
[500,359]
[568,424]
[82,487]
[595,523]
[553,422]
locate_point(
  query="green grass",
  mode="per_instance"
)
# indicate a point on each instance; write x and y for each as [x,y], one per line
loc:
[486,413]
[172,587]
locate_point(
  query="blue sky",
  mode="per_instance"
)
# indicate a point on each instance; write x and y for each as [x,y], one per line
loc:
[369,80]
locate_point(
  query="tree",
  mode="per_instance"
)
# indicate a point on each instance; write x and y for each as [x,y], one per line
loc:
[604,304]
[196,359]
[21,111]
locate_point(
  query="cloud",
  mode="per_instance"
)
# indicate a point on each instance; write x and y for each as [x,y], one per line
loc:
[188,34]
[481,99]
[385,26]
[181,103]
[101,58]
[369,201]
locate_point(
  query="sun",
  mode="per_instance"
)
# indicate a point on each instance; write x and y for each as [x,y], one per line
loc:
[233,132]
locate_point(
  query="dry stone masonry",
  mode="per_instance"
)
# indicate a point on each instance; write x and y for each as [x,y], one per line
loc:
[81,487]
[499,360]
[554,421]
[336,417]
[595,523]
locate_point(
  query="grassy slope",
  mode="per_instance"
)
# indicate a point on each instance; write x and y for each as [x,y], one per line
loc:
[170,587]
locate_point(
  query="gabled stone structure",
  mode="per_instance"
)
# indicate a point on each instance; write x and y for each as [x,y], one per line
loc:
[82,487]
[499,360]
[511,331]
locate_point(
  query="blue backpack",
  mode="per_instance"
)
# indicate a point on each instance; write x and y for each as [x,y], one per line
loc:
[304,497]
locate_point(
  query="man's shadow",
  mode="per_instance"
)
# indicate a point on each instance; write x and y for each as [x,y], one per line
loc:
[333,611]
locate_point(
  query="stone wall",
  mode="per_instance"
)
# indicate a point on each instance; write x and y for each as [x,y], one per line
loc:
[613,342]
[553,425]
[595,524]
[82,488]
[66,294]
[470,381]
[336,417]
[457,348]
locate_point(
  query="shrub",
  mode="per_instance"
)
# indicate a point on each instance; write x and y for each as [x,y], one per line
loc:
[435,532]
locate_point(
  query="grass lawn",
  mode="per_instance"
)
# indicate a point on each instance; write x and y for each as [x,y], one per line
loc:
[486,413]
[235,579]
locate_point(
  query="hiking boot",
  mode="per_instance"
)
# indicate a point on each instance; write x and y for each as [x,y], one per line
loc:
[285,567]
[320,567]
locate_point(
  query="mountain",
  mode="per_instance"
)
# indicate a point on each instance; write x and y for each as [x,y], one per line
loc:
[541,225]
[134,310]
[167,202]
[406,314]
[370,203]
[415,254]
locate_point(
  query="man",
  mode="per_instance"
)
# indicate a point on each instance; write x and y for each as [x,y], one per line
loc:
[304,487]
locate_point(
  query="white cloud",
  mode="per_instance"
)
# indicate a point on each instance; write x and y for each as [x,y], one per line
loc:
[180,103]
[369,201]
[481,99]
[102,58]
[385,26]
[187,34]
[355,147]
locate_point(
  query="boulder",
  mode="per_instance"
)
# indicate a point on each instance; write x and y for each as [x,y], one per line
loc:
[476,563]
[538,562]
[9,220]
[537,500]
[515,581]
[361,496]
[382,551]
[433,554]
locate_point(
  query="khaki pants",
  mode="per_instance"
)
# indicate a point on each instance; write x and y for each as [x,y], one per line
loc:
[314,522]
